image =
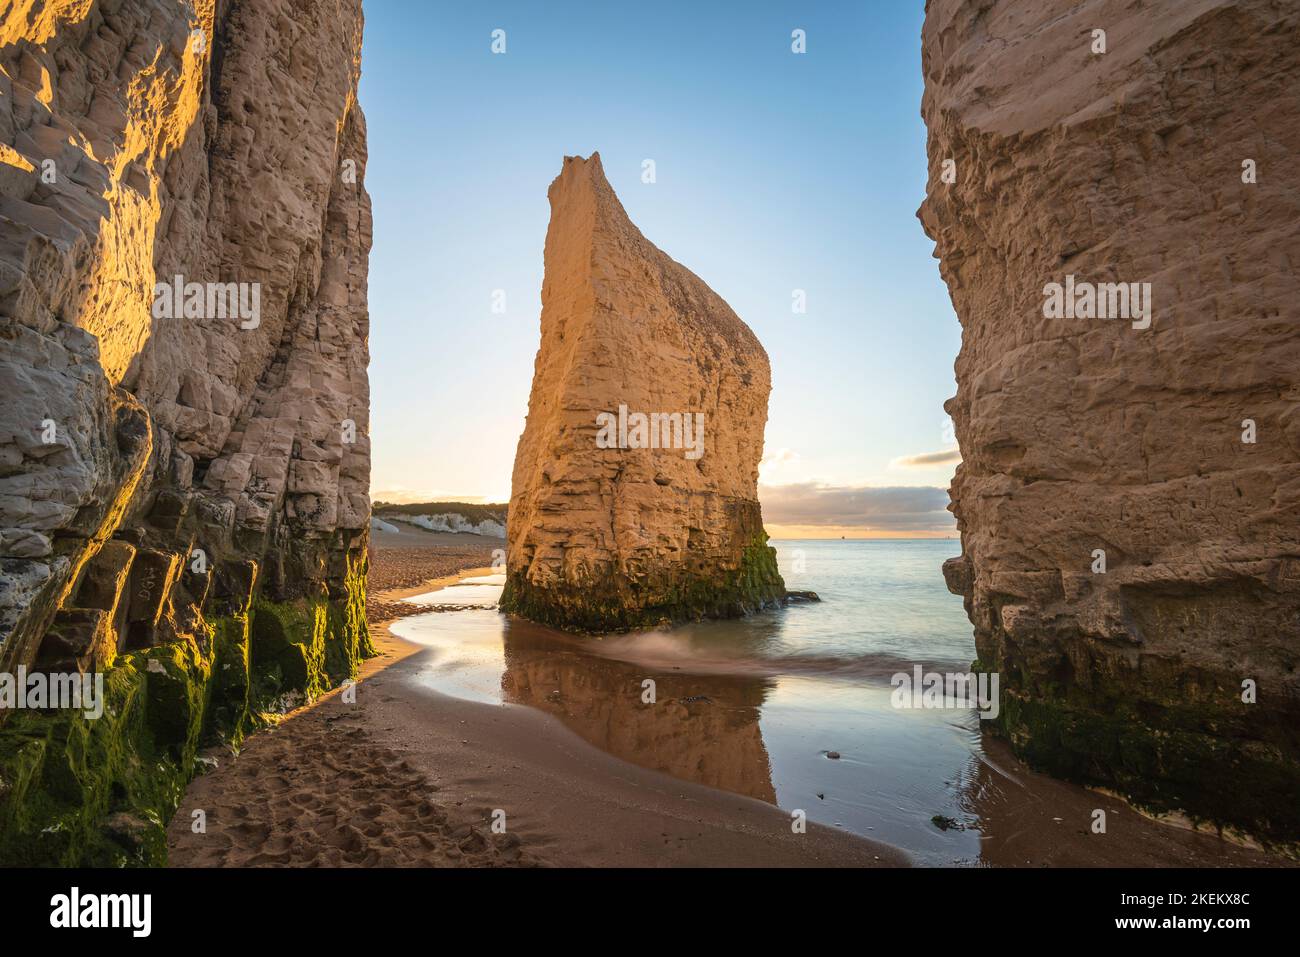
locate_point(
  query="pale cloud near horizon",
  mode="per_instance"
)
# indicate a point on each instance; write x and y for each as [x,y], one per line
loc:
[778,461]
[889,509]
[920,508]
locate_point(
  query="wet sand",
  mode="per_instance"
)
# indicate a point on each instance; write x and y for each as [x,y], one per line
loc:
[1029,819]
[410,777]
[401,564]
[712,726]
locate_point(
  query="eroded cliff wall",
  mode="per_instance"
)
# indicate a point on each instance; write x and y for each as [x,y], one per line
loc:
[613,525]
[1129,496]
[183,470]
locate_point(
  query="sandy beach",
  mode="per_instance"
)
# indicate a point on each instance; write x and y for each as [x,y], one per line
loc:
[410,777]
[405,564]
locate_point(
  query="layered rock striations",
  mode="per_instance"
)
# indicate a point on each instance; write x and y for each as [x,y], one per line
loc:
[184,459]
[1129,497]
[634,494]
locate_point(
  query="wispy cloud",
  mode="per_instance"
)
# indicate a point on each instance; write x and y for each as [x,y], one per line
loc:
[776,462]
[928,459]
[882,508]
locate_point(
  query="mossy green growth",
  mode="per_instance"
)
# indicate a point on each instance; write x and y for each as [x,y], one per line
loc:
[98,791]
[356,644]
[288,648]
[1169,763]
[302,648]
[231,673]
[612,603]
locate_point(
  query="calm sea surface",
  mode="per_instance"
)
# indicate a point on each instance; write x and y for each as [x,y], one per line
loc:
[758,706]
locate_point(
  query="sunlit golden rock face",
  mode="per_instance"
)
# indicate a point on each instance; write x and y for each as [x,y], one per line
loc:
[143,141]
[1129,496]
[609,529]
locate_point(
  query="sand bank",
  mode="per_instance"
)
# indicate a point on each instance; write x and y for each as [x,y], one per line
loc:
[409,777]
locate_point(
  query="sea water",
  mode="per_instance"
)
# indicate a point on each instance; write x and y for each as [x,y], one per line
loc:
[793,707]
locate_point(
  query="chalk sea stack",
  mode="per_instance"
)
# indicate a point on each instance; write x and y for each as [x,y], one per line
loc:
[619,522]
[183,495]
[1170,453]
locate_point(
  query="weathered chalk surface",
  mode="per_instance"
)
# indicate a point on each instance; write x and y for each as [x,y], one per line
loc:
[1161,152]
[183,489]
[614,526]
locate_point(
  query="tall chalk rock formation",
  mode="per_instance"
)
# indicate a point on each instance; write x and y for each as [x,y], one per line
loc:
[183,469]
[1161,151]
[616,521]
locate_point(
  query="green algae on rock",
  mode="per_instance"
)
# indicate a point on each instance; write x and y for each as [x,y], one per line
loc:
[1195,750]
[99,792]
[597,607]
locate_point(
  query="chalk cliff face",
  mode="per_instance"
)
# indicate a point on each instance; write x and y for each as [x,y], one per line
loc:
[618,521]
[183,479]
[1170,452]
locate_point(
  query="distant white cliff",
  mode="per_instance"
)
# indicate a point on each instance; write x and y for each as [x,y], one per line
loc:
[451,522]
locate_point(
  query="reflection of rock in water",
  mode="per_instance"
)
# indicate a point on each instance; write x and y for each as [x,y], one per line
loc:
[702,728]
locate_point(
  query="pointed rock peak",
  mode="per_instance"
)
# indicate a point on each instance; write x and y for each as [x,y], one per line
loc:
[577,165]
[582,161]
[581,177]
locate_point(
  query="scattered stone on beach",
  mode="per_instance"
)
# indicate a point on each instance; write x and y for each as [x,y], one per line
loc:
[801,597]
[607,532]
[405,566]
[420,558]
[126,829]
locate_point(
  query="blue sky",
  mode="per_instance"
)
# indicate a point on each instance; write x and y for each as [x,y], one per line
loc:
[775,171]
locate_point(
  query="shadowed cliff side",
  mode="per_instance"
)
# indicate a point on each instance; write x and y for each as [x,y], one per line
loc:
[1129,500]
[618,522]
[183,468]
